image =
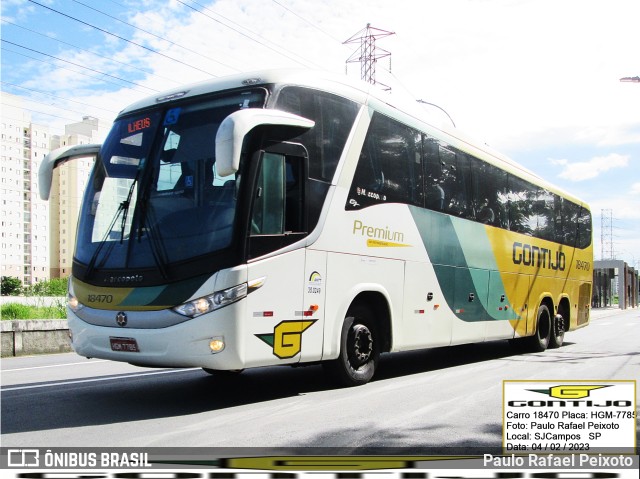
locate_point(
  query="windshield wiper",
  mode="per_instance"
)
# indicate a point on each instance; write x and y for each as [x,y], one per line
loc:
[155,240]
[124,206]
[92,263]
[123,209]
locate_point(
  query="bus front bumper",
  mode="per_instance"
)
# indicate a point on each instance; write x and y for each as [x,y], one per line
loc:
[208,341]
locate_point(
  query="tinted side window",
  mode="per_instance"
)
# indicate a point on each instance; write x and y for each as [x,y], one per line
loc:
[520,195]
[584,228]
[490,204]
[390,166]
[540,213]
[542,220]
[447,186]
[334,117]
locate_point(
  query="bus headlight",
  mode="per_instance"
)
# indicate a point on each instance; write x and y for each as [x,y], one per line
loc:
[214,301]
[72,299]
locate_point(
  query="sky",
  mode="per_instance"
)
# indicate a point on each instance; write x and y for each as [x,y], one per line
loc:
[537,80]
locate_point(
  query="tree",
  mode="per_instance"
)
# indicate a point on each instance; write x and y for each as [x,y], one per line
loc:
[10,286]
[51,287]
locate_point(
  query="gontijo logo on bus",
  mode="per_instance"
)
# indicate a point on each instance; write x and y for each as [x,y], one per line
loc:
[530,255]
[379,237]
[286,339]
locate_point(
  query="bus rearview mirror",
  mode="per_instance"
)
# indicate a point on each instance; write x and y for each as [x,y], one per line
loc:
[235,127]
[57,158]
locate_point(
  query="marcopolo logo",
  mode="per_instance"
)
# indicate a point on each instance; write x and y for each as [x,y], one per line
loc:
[568,391]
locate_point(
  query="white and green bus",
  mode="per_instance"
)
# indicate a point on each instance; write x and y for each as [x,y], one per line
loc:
[291,217]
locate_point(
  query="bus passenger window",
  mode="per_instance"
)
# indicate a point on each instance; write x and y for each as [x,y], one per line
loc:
[434,193]
[334,117]
[489,198]
[455,181]
[584,228]
[390,166]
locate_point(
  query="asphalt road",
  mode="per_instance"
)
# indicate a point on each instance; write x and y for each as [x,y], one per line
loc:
[432,401]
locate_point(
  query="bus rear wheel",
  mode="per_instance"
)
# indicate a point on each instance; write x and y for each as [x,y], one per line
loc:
[359,349]
[540,340]
[558,328]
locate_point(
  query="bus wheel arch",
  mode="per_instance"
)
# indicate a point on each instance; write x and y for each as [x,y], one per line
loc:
[365,333]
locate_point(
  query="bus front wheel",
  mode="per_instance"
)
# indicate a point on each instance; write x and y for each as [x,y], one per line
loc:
[359,349]
[223,374]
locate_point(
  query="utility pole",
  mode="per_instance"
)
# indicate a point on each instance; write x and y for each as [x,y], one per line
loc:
[368,54]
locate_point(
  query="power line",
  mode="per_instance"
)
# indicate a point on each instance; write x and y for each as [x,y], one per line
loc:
[82,113]
[307,21]
[43,113]
[155,36]
[40,92]
[76,64]
[64,68]
[128,65]
[305,63]
[122,38]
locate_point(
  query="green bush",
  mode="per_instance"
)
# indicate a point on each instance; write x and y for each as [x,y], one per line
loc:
[52,287]
[21,311]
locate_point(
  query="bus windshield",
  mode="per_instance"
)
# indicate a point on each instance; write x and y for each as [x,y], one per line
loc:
[154,197]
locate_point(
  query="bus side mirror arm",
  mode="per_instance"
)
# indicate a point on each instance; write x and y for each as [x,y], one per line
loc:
[235,127]
[57,158]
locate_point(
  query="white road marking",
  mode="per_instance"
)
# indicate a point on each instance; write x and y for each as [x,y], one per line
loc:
[93,380]
[54,366]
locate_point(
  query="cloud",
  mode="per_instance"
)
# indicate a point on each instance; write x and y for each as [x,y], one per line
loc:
[635,188]
[586,170]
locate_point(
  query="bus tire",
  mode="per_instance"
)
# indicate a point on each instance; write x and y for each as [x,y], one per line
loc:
[540,340]
[223,374]
[557,332]
[359,349]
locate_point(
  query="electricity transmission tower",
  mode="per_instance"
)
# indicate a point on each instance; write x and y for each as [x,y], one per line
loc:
[606,234]
[368,54]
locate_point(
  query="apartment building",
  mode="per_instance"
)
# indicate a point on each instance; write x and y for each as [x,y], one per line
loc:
[38,237]
[24,217]
[67,188]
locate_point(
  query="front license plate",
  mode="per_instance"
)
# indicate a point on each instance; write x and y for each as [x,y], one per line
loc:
[126,345]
